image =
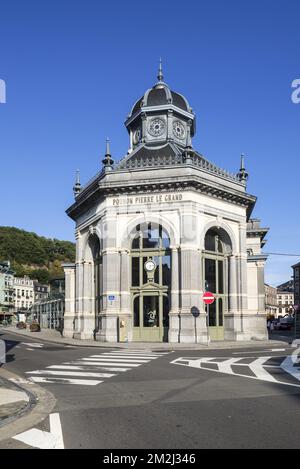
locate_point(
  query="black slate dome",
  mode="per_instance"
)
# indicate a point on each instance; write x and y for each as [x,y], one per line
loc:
[161,95]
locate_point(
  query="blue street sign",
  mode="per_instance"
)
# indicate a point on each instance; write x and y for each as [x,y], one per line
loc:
[111,297]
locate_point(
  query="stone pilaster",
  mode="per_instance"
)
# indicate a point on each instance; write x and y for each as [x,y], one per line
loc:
[174,307]
[69,314]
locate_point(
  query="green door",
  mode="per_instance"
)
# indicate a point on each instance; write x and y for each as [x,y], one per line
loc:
[214,282]
[150,317]
[215,319]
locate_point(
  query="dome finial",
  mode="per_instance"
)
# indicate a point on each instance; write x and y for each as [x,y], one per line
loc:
[242,174]
[77,185]
[108,161]
[107,152]
[160,76]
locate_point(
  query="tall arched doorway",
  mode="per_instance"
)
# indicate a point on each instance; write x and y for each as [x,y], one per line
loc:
[150,283]
[97,279]
[217,249]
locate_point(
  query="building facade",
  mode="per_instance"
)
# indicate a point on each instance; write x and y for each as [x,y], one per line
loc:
[41,291]
[271,300]
[157,230]
[296,275]
[6,291]
[24,293]
[49,312]
[285,303]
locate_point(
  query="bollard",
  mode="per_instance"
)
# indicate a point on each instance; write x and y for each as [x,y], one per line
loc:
[2,352]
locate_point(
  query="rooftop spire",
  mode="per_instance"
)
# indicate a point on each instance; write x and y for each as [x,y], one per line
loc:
[77,185]
[107,153]
[242,174]
[107,161]
[160,76]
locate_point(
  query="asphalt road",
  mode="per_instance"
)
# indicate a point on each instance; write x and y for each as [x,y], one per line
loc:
[152,403]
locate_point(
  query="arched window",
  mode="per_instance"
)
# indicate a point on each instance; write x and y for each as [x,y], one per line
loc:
[150,282]
[94,244]
[217,247]
[151,242]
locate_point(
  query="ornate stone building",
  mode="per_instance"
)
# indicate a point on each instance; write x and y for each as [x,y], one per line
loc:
[157,229]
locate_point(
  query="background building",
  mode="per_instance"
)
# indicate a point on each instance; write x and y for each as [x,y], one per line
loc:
[24,293]
[41,291]
[296,269]
[271,300]
[285,303]
[6,291]
[286,286]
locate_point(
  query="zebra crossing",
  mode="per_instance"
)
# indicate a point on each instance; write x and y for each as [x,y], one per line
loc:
[30,345]
[90,371]
[274,369]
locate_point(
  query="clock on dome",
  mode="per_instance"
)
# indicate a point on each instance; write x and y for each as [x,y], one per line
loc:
[178,130]
[156,127]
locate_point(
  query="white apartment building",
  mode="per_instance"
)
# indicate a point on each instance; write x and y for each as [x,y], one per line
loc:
[285,303]
[24,292]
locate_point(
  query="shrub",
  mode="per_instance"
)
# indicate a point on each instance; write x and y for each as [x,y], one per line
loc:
[21,325]
[34,327]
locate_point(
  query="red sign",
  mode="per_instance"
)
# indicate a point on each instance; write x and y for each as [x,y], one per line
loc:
[208,298]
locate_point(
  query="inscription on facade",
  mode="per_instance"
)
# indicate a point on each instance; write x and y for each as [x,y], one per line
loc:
[147,199]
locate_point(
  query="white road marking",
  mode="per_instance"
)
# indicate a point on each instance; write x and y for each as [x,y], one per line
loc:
[128,352]
[288,366]
[85,374]
[110,363]
[83,382]
[129,356]
[261,351]
[258,370]
[44,440]
[225,367]
[30,349]
[120,360]
[95,364]
[257,367]
[34,344]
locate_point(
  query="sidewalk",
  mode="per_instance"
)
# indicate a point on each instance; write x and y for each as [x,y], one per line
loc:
[14,402]
[53,336]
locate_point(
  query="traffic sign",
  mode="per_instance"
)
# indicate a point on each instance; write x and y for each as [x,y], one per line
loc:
[208,298]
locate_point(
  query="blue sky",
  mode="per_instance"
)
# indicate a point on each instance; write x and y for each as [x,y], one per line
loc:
[73,69]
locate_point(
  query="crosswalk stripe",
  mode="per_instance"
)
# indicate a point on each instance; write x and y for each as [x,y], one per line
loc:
[119,360]
[81,367]
[127,352]
[100,367]
[110,363]
[78,368]
[129,356]
[34,344]
[71,373]
[83,382]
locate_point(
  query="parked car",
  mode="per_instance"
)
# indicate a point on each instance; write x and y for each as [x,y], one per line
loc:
[284,324]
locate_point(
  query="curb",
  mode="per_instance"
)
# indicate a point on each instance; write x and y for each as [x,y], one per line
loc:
[158,346]
[40,405]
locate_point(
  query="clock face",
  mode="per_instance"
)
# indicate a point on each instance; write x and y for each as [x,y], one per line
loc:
[150,266]
[136,136]
[156,127]
[178,130]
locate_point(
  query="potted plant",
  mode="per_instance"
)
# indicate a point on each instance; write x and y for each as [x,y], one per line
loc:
[34,327]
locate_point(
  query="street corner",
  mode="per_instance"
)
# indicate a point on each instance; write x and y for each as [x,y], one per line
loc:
[22,405]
